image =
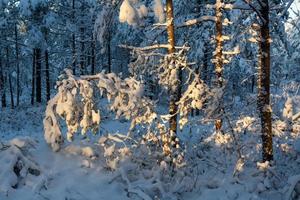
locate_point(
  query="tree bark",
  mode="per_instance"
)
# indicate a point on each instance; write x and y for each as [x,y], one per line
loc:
[33,77]
[38,77]
[263,84]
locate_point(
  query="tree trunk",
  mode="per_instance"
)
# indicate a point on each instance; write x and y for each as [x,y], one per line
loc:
[48,90]
[205,63]
[175,90]
[38,80]
[33,77]
[82,42]
[73,42]
[93,55]
[109,52]
[2,85]
[263,84]
[12,103]
[82,51]
[219,59]
[18,65]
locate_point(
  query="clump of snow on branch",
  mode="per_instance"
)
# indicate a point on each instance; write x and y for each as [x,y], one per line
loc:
[158,9]
[132,12]
[193,98]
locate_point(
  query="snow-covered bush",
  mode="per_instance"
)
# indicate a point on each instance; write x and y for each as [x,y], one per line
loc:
[75,103]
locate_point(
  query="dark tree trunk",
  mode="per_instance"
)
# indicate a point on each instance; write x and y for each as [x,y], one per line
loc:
[12,103]
[73,42]
[33,77]
[82,57]
[205,63]
[82,42]
[109,52]
[93,55]
[263,83]
[38,77]
[2,85]
[18,65]
[48,90]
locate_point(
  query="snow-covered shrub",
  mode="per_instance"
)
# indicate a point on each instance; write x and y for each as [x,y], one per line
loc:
[16,163]
[144,168]
[75,103]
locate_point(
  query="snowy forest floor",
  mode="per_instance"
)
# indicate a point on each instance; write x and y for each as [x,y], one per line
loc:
[75,174]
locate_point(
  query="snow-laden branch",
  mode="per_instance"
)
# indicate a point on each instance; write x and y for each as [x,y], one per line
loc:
[152,47]
[75,103]
[192,22]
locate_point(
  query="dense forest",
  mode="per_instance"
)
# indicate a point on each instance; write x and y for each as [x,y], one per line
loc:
[150,99]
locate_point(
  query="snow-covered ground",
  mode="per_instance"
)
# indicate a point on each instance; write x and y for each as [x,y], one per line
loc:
[81,172]
[62,176]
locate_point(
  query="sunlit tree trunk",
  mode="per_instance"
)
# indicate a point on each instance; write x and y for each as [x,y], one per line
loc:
[175,90]
[263,83]
[219,58]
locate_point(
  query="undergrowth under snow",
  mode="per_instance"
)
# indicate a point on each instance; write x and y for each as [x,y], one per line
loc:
[106,166]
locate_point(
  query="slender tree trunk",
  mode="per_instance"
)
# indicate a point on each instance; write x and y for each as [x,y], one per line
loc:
[205,63]
[47,68]
[263,84]
[82,51]
[219,58]
[33,77]
[109,52]
[12,103]
[38,80]
[18,65]
[48,90]
[82,42]
[73,42]
[175,90]
[2,85]
[93,55]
